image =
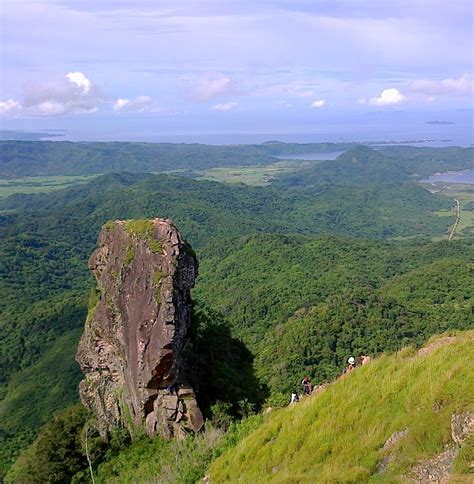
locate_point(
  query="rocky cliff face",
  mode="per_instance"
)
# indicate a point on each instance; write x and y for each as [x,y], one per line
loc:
[131,351]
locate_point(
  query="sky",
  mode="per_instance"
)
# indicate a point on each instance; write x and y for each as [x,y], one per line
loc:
[105,67]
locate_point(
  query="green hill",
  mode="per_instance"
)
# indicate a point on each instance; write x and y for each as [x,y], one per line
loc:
[358,166]
[38,158]
[45,241]
[302,304]
[387,421]
[363,166]
[338,435]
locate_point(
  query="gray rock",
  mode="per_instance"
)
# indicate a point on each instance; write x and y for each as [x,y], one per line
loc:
[394,438]
[390,442]
[436,469]
[133,341]
[461,426]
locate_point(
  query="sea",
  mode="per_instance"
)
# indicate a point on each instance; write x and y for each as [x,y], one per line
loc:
[464,176]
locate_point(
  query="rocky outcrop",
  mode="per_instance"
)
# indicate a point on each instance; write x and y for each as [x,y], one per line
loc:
[390,443]
[438,469]
[462,425]
[131,351]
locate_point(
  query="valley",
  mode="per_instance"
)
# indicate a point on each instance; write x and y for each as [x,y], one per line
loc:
[302,263]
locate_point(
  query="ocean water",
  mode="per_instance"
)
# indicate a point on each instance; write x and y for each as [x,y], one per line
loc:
[465,176]
[332,155]
[433,129]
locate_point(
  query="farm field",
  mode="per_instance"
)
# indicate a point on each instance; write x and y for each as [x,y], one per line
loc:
[40,184]
[465,194]
[258,175]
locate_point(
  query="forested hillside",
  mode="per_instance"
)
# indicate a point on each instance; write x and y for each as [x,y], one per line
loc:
[43,158]
[291,281]
[47,239]
[362,166]
[303,304]
[33,158]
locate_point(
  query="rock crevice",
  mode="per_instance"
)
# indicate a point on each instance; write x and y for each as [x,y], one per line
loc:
[131,351]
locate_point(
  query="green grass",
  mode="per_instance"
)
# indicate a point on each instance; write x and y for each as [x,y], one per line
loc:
[466,222]
[338,434]
[129,255]
[144,228]
[178,460]
[40,184]
[253,175]
[465,194]
[93,303]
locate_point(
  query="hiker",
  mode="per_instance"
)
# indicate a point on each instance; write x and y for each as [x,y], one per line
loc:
[307,385]
[294,398]
[351,365]
[363,359]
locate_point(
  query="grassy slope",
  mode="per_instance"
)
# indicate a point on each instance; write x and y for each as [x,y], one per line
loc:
[337,435]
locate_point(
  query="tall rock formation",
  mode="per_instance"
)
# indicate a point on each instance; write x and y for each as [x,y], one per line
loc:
[131,351]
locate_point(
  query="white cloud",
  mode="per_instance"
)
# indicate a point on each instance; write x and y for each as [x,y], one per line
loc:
[362,100]
[9,107]
[212,86]
[138,104]
[74,93]
[462,86]
[388,97]
[225,106]
[318,103]
[80,80]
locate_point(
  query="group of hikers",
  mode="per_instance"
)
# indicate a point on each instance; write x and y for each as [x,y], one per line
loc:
[308,387]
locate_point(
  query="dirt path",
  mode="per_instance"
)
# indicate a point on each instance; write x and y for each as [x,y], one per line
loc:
[456,221]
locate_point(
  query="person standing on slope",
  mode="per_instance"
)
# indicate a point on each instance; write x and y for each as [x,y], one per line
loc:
[351,365]
[363,359]
[307,385]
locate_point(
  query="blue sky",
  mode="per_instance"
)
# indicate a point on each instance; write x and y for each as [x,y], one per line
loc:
[230,65]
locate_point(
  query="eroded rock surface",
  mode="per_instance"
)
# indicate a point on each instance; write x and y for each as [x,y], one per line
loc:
[131,351]
[438,469]
[389,444]
[462,425]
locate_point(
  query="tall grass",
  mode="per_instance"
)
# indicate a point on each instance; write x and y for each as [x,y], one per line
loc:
[156,461]
[338,435]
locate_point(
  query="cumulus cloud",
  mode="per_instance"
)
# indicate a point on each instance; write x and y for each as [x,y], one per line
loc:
[80,80]
[462,86]
[318,103]
[74,93]
[388,97]
[138,104]
[9,107]
[212,86]
[225,106]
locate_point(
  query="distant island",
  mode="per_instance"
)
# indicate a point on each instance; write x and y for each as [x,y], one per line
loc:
[440,122]
[6,134]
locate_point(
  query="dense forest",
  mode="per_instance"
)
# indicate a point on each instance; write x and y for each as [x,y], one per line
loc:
[40,158]
[293,276]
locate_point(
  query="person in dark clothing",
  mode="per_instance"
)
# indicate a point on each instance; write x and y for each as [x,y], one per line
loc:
[307,385]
